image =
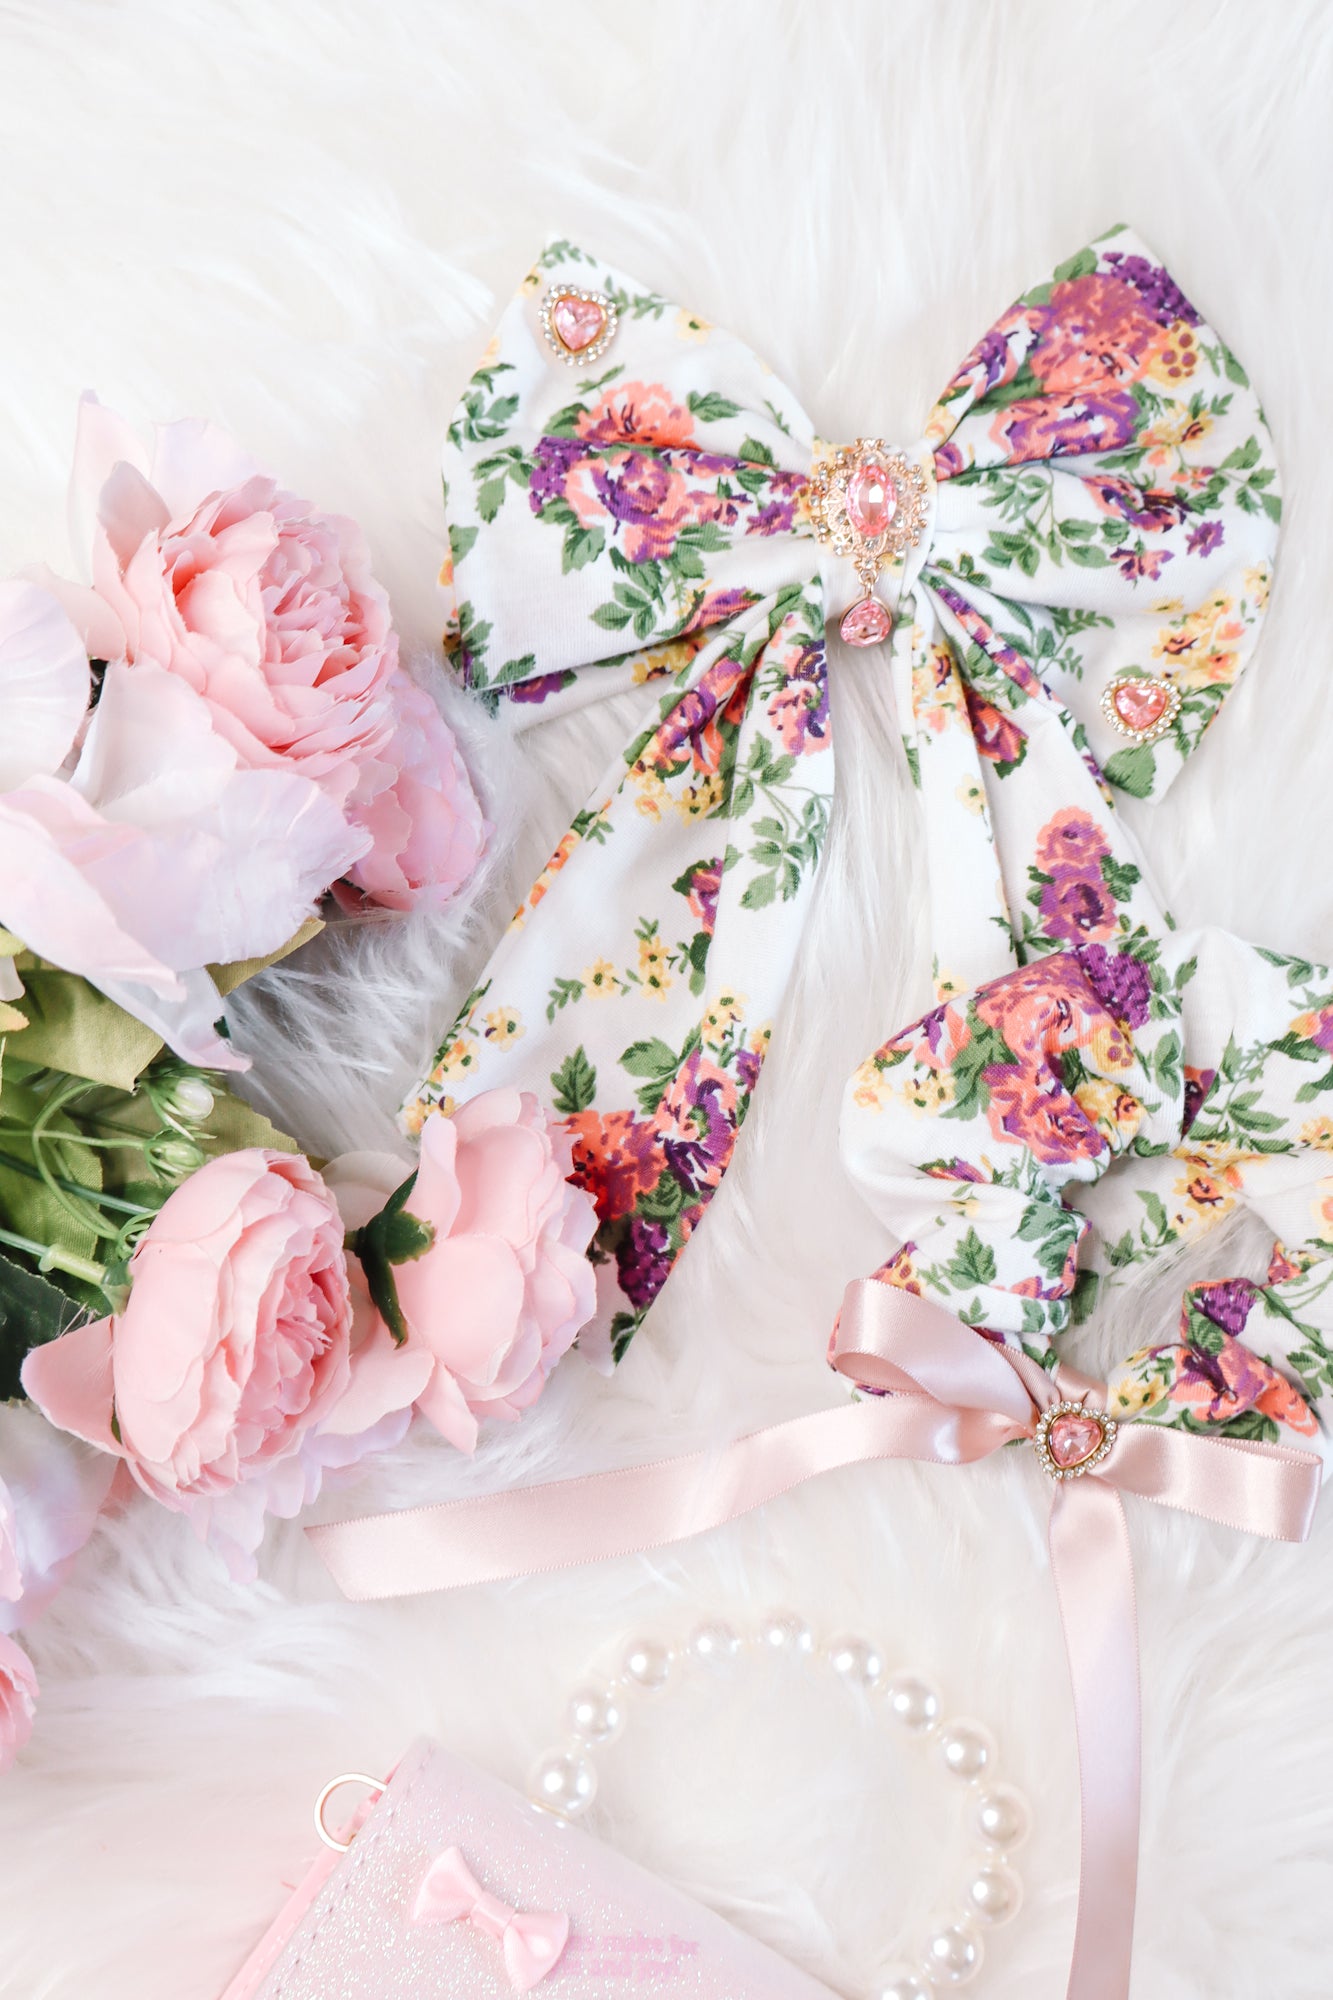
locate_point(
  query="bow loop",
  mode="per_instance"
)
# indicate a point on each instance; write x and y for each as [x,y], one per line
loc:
[532,1941]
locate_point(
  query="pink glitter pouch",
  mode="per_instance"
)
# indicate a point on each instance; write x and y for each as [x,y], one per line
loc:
[453,1887]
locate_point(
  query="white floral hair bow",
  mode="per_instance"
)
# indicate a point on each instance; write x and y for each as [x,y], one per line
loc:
[1069,567]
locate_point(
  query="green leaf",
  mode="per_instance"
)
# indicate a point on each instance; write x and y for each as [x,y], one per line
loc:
[652,1058]
[394,1236]
[711,408]
[1134,770]
[973,1263]
[611,617]
[754,452]
[73,1027]
[461,540]
[32,1312]
[1081,265]
[582,546]
[760,892]
[574,1083]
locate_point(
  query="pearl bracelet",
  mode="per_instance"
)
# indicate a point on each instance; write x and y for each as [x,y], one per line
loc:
[564,1781]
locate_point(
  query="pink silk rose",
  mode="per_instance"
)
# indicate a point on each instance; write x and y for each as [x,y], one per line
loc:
[18,1699]
[268,609]
[211,1383]
[426,828]
[504,1286]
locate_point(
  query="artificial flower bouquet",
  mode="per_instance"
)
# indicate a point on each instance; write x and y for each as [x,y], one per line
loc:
[201,744]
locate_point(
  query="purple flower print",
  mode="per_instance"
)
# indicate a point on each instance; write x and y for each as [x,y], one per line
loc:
[540,688]
[551,463]
[1157,289]
[643,1260]
[1072,839]
[1198,1083]
[698,1121]
[1322,1032]
[1209,535]
[1119,980]
[1227,1304]
[635,487]
[749,1062]
[701,884]
[1063,426]
[799,711]
[1136,563]
[1077,906]
[1142,507]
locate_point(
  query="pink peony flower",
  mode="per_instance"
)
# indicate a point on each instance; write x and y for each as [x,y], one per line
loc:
[18,1699]
[267,609]
[426,827]
[504,1286]
[234,1344]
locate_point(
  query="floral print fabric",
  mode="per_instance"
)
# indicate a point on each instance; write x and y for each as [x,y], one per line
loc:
[993,1134]
[1103,502]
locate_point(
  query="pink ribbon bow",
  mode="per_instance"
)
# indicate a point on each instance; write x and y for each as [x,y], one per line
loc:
[532,1941]
[949,1396]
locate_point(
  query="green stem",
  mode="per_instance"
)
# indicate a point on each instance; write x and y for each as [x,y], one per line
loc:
[10,1161]
[50,1257]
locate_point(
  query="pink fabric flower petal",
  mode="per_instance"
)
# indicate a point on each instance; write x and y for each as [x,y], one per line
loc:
[44,684]
[70,1381]
[18,1699]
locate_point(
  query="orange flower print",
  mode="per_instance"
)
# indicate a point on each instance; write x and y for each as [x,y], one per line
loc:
[637,413]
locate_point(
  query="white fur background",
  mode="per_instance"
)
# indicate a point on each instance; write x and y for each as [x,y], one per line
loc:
[299,217]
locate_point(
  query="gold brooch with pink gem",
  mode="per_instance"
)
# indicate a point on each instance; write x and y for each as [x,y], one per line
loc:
[578,326]
[1071,1440]
[869,503]
[1140,706]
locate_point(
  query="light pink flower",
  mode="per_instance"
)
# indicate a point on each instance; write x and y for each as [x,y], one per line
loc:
[234,1344]
[153,854]
[419,808]
[265,606]
[18,1699]
[52,1491]
[267,609]
[502,1291]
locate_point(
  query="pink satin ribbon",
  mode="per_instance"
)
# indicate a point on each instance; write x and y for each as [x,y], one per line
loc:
[532,1941]
[948,1396]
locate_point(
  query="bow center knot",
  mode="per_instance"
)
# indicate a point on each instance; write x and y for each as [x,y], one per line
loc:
[489,1914]
[1070,1439]
[871,505]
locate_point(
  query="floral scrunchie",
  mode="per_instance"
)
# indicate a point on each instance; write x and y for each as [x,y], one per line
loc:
[1029,1142]
[1099,505]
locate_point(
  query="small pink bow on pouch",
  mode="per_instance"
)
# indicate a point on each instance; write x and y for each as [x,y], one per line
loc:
[532,1940]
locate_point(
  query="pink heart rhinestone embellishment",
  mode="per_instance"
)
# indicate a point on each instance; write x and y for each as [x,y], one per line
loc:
[1140,707]
[577,321]
[1071,1440]
[866,624]
[578,325]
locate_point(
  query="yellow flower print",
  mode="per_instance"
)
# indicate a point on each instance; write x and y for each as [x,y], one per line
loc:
[1322,1209]
[1173,431]
[719,1015]
[456,1060]
[654,967]
[696,801]
[971,796]
[503,1025]
[1257,583]
[1109,1048]
[1129,1394]
[651,791]
[1174,354]
[872,1087]
[1200,646]
[1115,1113]
[1317,1133]
[937,689]
[760,1040]
[601,978]
[415,1115]
[689,326]
[930,1093]
[658,662]
[1207,1196]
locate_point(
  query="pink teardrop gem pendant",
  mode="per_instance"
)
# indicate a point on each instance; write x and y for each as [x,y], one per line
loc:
[871,499]
[866,624]
[577,325]
[1070,1440]
[1141,707]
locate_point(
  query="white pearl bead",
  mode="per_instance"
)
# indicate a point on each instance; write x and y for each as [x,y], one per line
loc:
[714,1645]
[564,1783]
[856,1661]
[901,1983]
[913,1702]
[1003,1817]
[967,1748]
[647,1665]
[594,1715]
[994,1892]
[786,1632]
[953,1955]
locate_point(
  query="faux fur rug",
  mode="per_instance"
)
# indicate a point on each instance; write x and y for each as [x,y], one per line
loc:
[300,218]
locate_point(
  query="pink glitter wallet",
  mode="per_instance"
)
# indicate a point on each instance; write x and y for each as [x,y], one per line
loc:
[453,1887]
